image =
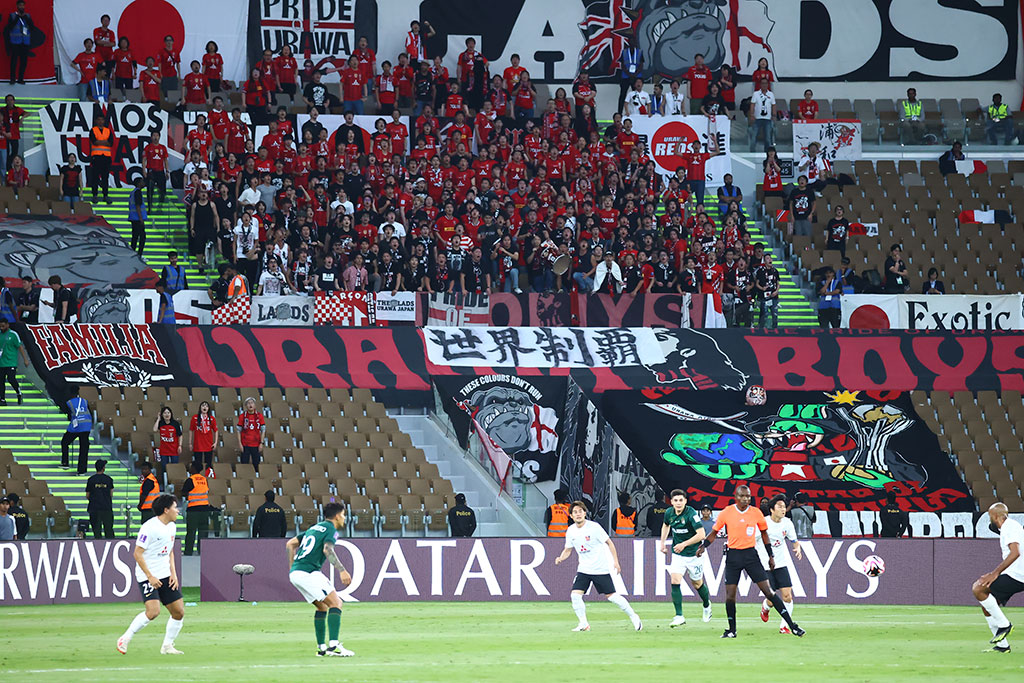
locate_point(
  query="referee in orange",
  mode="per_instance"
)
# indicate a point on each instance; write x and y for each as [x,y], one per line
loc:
[742,523]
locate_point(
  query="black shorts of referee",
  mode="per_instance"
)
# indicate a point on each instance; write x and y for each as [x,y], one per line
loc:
[742,560]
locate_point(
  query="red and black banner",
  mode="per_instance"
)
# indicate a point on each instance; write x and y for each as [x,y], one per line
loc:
[395,358]
[843,449]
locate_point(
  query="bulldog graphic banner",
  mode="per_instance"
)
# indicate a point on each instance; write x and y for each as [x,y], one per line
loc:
[521,415]
[844,449]
[869,40]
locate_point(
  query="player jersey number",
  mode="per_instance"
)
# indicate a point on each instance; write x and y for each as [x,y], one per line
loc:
[308,543]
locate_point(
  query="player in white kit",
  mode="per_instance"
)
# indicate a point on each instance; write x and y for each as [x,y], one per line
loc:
[597,561]
[157,577]
[994,590]
[780,530]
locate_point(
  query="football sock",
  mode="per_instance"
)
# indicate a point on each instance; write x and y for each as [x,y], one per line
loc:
[173,629]
[333,625]
[578,607]
[730,612]
[320,625]
[704,594]
[780,607]
[622,604]
[789,607]
[138,623]
[995,611]
[677,599]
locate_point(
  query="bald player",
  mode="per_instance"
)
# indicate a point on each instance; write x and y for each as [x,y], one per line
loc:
[994,589]
[742,522]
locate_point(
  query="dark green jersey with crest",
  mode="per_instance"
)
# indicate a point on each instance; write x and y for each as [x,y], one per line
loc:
[684,526]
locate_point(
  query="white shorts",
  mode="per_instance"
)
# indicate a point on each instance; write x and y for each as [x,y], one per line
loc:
[694,566]
[314,586]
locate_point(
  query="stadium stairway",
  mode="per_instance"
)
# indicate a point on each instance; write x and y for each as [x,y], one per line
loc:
[166,230]
[31,127]
[33,432]
[496,515]
[794,308]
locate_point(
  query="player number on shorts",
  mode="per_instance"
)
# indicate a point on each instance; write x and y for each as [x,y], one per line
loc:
[306,548]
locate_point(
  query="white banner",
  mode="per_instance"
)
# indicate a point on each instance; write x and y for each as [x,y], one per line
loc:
[368,123]
[66,127]
[669,138]
[456,309]
[953,312]
[543,347]
[192,24]
[838,138]
[281,310]
[192,307]
[400,307]
[136,306]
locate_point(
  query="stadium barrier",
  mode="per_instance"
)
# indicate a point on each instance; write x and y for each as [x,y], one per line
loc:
[69,571]
[918,572]
[953,312]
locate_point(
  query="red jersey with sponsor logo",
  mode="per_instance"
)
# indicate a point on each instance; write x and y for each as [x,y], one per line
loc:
[249,426]
[170,438]
[195,88]
[156,157]
[150,86]
[204,431]
[287,69]
[213,66]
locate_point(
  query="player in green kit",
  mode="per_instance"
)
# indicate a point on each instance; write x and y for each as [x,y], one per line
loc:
[306,555]
[687,533]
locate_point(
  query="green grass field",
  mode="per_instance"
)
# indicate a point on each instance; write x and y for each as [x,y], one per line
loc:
[504,642]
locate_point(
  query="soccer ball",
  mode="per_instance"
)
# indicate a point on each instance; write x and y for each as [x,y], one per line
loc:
[873,565]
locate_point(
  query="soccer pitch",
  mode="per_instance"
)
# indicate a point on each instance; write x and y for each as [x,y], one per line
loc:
[506,641]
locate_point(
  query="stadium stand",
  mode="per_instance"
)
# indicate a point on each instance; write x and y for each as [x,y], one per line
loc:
[319,444]
[918,207]
[984,432]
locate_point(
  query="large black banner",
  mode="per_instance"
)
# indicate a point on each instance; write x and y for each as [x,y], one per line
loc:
[522,415]
[844,449]
[381,358]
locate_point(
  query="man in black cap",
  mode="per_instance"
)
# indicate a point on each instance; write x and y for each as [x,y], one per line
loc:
[894,521]
[461,518]
[269,521]
[705,518]
[19,515]
[99,492]
[8,530]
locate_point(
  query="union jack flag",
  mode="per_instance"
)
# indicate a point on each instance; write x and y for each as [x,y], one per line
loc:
[604,34]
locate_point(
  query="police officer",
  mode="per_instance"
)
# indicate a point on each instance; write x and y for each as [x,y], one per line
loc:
[624,520]
[656,514]
[19,515]
[197,519]
[269,521]
[461,518]
[556,517]
[894,521]
[149,489]
[99,492]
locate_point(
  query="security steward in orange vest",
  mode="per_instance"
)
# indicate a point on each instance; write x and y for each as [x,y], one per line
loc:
[556,517]
[148,491]
[101,156]
[196,490]
[624,521]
